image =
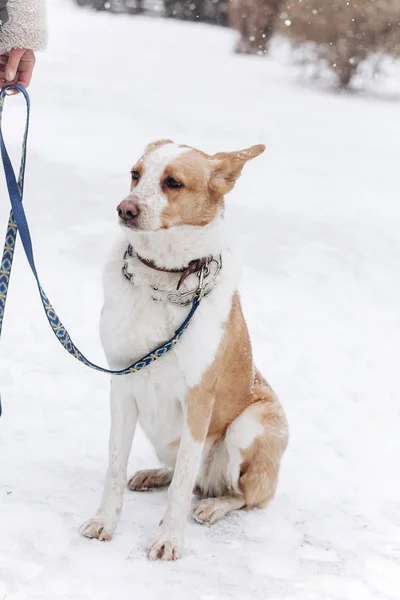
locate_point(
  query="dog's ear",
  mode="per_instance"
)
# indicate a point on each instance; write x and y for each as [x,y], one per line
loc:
[154,145]
[227,167]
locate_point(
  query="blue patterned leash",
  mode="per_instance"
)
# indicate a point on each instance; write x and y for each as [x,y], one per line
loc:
[18,223]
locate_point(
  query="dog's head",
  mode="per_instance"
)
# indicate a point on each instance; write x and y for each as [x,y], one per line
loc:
[175,185]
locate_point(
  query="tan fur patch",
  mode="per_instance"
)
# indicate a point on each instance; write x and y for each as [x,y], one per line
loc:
[205,180]
[228,388]
[154,145]
[138,167]
[175,443]
[260,468]
[191,204]
[227,168]
[225,387]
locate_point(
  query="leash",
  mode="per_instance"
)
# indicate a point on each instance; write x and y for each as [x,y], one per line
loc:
[18,223]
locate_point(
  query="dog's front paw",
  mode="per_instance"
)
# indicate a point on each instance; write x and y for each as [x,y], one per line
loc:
[98,529]
[166,546]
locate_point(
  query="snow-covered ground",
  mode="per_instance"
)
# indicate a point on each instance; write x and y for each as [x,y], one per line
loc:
[317,222]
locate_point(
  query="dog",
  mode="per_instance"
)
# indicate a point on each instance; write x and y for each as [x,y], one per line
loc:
[215,423]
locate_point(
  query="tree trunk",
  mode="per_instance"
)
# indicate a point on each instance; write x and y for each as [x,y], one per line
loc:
[255,20]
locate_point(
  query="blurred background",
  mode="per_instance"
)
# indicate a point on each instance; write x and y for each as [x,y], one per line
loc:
[335,39]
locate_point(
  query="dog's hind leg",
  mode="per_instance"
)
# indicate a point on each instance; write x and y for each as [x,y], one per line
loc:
[256,441]
[124,416]
[150,479]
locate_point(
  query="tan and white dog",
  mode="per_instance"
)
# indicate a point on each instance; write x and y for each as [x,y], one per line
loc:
[213,420]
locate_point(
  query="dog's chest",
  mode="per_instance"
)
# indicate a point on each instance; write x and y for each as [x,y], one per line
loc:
[160,416]
[133,324]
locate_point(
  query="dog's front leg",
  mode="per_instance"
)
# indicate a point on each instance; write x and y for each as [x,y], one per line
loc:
[124,416]
[168,543]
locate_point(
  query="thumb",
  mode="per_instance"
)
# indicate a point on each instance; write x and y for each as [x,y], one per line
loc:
[13,63]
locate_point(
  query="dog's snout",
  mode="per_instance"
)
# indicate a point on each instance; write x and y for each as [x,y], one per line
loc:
[128,210]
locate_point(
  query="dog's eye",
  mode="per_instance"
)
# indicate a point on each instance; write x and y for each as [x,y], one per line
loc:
[135,175]
[173,183]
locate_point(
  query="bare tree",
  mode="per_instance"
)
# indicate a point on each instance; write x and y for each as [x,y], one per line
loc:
[255,20]
[343,32]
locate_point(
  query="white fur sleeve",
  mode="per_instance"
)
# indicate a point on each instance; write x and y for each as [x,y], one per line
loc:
[26,25]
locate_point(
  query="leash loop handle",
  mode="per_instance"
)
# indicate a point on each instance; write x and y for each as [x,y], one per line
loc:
[18,223]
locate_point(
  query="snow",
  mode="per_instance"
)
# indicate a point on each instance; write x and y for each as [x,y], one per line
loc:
[316,220]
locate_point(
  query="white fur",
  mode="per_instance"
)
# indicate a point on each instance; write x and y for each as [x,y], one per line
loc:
[175,247]
[243,431]
[213,478]
[168,542]
[132,324]
[240,436]
[221,461]
[123,424]
[147,193]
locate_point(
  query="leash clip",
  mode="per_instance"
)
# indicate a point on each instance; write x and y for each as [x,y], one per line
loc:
[205,287]
[128,254]
[202,274]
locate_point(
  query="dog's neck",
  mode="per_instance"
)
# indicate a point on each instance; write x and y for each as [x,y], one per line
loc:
[176,247]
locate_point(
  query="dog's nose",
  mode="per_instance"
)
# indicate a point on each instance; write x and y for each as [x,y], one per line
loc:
[128,210]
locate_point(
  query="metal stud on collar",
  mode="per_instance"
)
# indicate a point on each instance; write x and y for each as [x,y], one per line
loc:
[180,298]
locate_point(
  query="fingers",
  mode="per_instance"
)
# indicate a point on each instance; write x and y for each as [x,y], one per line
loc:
[16,67]
[3,79]
[14,59]
[26,71]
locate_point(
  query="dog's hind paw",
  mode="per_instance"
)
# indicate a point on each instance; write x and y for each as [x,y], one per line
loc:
[97,529]
[151,479]
[210,510]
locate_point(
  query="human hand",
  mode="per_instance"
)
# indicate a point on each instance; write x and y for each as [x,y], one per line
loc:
[17,66]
